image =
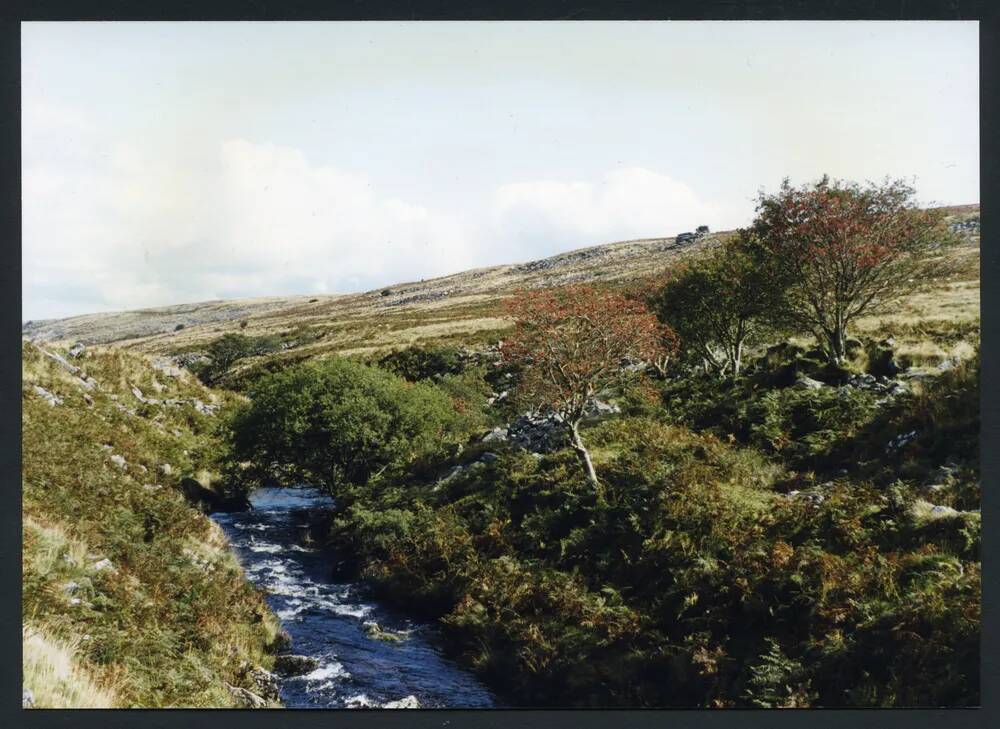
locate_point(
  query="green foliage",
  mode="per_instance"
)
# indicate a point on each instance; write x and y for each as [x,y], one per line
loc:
[776,681]
[336,422]
[228,349]
[718,304]
[170,624]
[422,363]
[695,582]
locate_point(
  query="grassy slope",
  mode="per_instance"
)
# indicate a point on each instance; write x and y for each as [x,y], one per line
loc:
[172,618]
[492,572]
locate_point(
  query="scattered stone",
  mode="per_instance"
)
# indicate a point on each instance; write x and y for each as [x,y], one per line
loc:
[166,469]
[408,702]
[102,565]
[264,683]
[27,699]
[292,665]
[167,367]
[61,361]
[497,434]
[71,587]
[374,630]
[807,383]
[900,441]
[118,460]
[89,400]
[598,408]
[203,407]
[87,383]
[247,699]
[76,350]
[813,497]
[51,399]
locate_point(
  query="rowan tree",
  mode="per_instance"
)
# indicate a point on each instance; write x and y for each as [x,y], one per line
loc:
[840,251]
[718,303]
[571,343]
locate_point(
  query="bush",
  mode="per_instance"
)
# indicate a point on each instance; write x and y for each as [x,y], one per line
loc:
[228,349]
[337,422]
[422,363]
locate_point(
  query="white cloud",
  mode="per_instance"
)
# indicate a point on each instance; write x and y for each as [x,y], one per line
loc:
[547,216]
[258,219]
[110,225]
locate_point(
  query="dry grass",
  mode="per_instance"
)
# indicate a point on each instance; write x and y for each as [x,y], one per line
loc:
[55,676]
[172,619]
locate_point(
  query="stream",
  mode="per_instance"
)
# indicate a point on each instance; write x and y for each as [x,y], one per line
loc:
[331,621]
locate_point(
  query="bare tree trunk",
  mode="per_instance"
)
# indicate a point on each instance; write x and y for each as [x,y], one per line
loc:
[584,454]
[837,341]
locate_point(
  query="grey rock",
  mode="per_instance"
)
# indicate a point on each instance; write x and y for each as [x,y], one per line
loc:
[807,383]
[27,699]
[118,460]
[597,408]
[51,399]
[61,361]
[264,682]
[76,350]
[203,407]
[166,469]
[900,441]
[496,435]
[247,699]
[488,457]
[102,565]
[293,665]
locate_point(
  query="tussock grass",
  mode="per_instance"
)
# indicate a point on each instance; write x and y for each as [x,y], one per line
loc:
[172,618]
[53,673]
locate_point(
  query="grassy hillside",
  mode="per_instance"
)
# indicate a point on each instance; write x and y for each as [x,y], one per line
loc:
[131,596]
[760,544]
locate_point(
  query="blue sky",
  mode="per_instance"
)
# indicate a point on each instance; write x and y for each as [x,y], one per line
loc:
[175,162]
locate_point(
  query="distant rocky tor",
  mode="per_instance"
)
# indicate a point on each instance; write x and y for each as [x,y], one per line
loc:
[613,261]
[456,306]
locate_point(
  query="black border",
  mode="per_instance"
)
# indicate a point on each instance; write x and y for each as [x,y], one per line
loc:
[192,10]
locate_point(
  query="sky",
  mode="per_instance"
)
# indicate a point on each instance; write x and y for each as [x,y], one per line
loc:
[167,163]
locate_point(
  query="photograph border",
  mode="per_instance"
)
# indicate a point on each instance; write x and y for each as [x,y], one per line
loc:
[10,366]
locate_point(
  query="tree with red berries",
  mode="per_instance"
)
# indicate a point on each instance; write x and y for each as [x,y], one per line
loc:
[571,343]
[840,251]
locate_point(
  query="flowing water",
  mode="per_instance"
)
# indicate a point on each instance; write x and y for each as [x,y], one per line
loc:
[331,621]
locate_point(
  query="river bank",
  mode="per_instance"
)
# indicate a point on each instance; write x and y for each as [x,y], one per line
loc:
[358,653]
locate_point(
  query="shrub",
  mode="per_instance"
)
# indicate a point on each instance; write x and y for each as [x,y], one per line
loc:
[336,422]
[422,363]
